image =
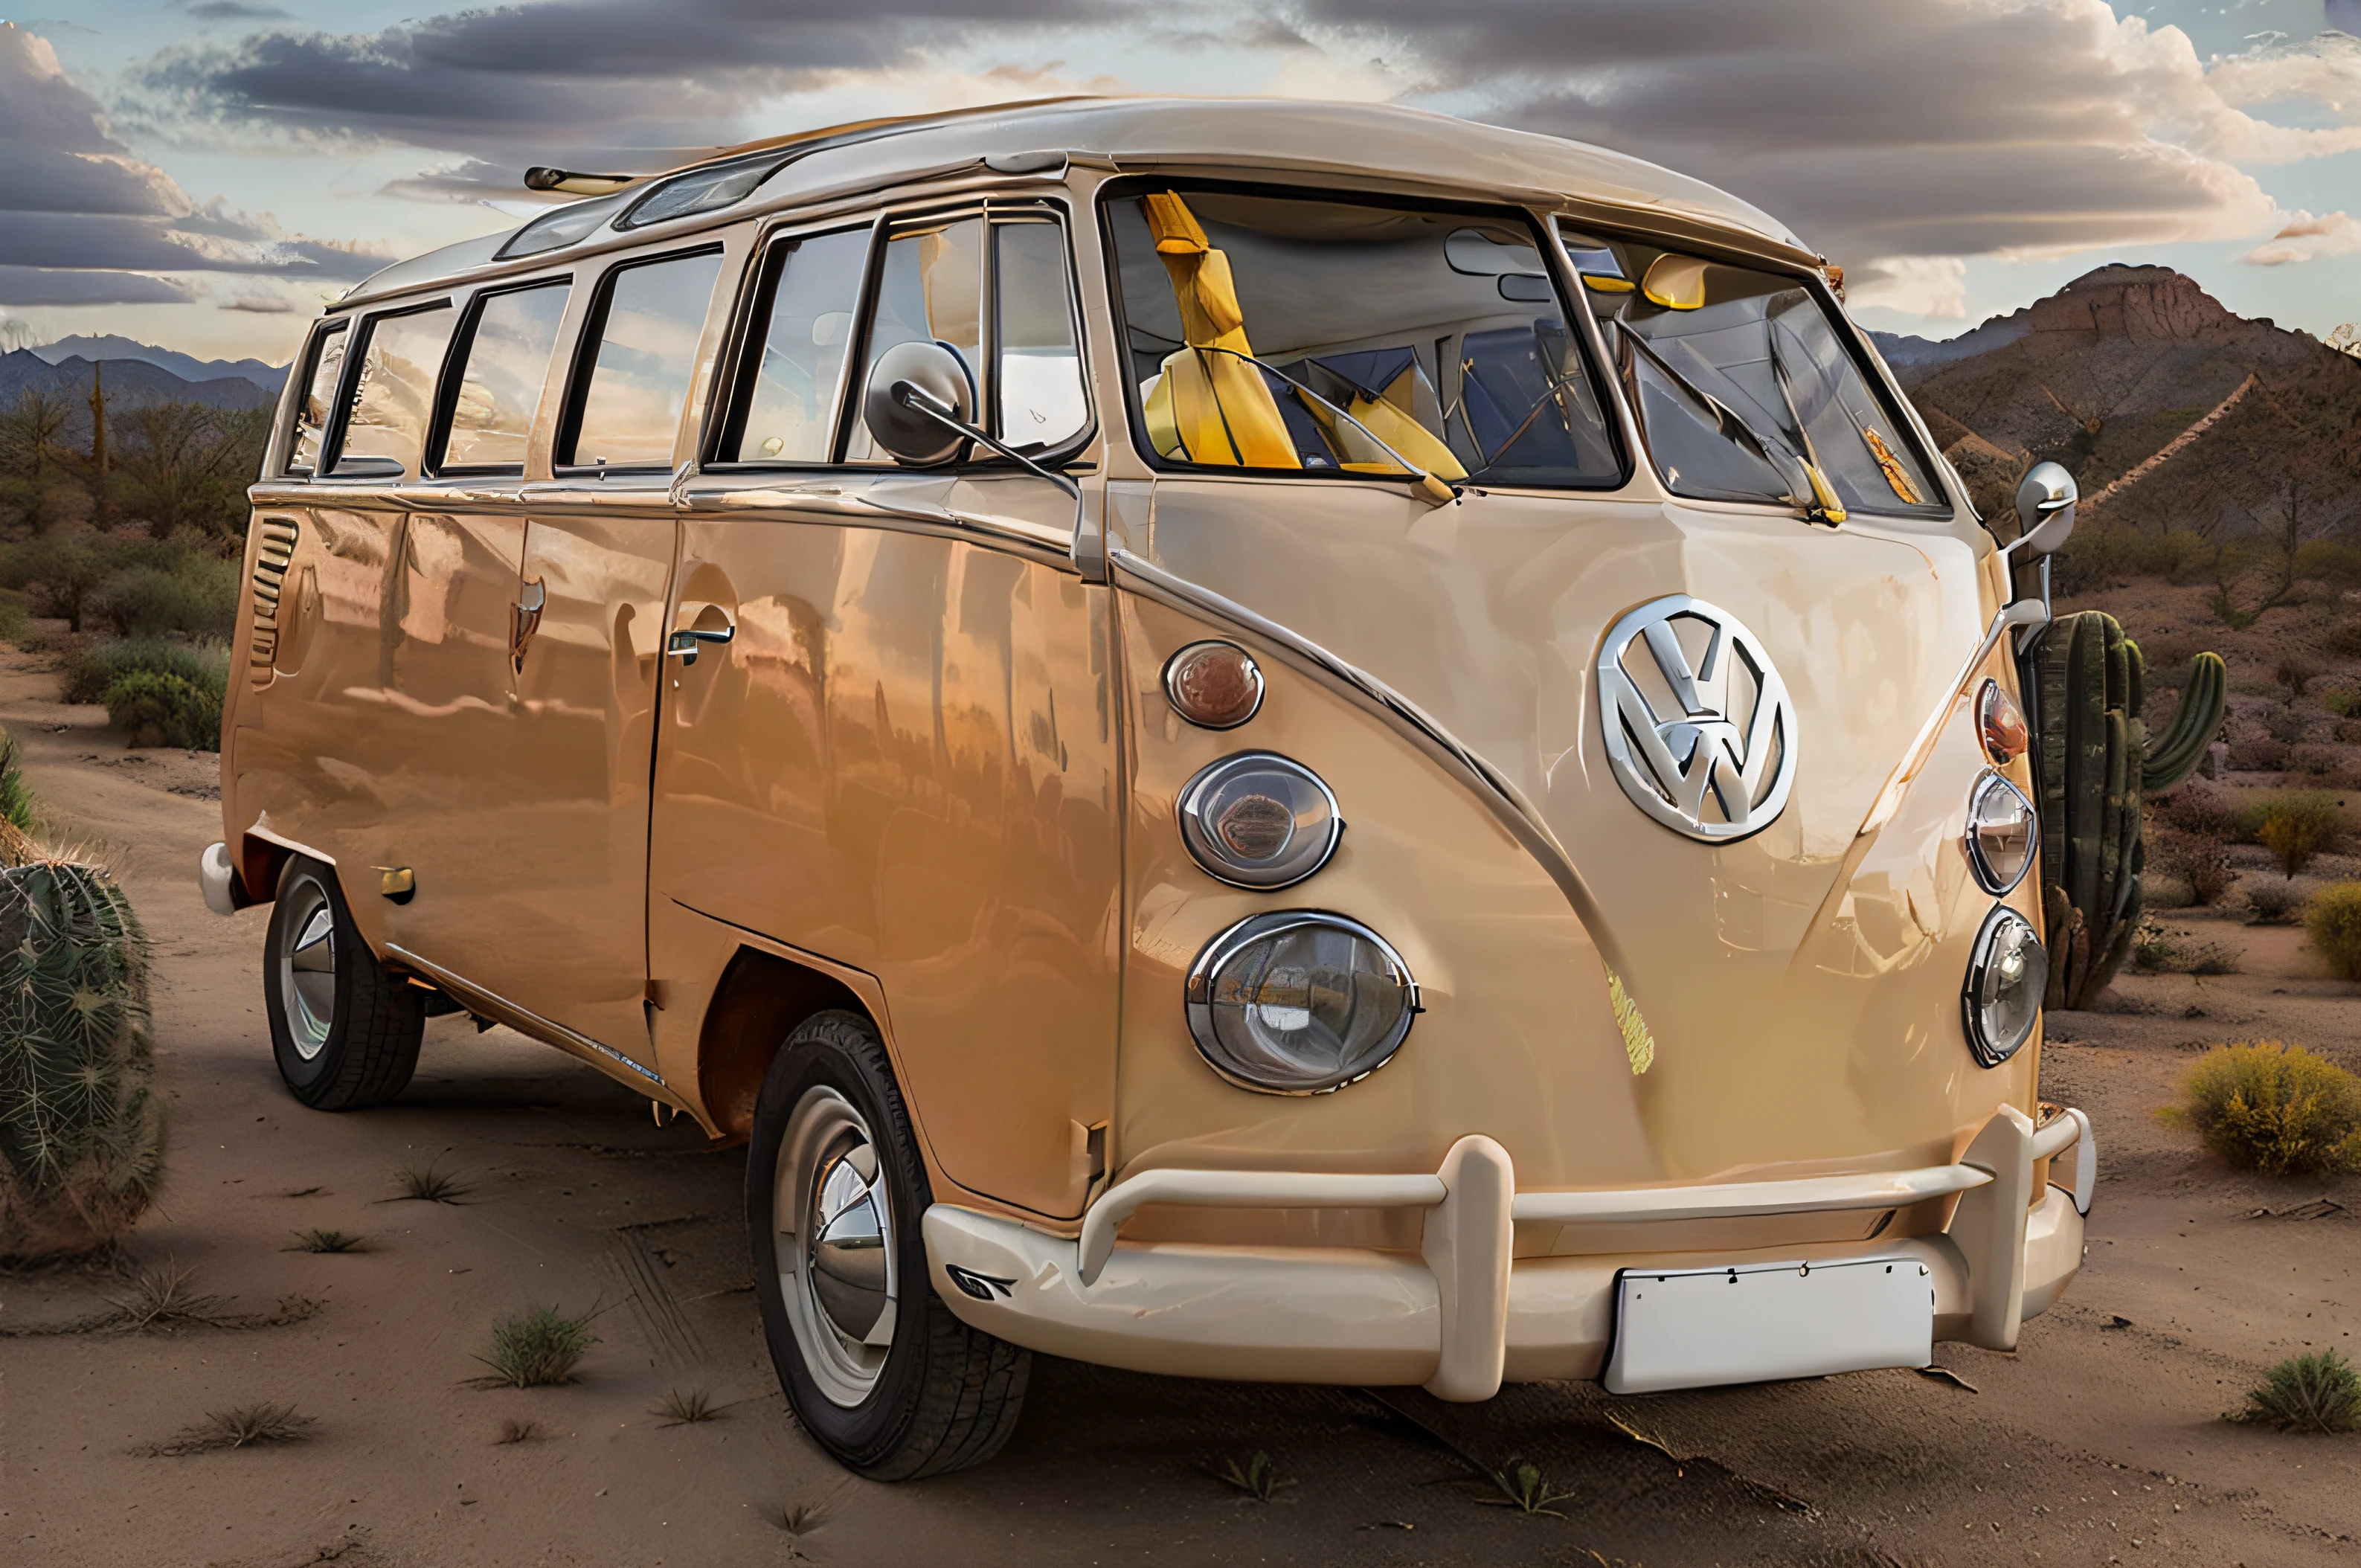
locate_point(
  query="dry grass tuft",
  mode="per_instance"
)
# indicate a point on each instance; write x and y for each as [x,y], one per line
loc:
[683,1407]
[1524,1488]
[519,1431]
[165,1297]
[1257,1478]
[328,1241]
[2318,1393]
[536,1347]
[241,1426]
[2274,1108]
[427,1184]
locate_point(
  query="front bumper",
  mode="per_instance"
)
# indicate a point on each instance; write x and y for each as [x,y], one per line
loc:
[1464,1314]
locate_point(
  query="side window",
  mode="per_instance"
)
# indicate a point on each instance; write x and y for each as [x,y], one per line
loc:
[1039,400]
[500,370]
[1001,297]
[788,400]
[641,355]
[394,393]
[327,367]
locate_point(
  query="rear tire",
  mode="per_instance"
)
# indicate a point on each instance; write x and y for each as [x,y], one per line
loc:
[343,1029]
[876,1368]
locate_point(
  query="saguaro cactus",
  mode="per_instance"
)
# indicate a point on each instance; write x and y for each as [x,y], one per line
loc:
[81,1132]
[2093,765]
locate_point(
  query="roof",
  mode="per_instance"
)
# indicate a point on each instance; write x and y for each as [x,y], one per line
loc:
[1370,140]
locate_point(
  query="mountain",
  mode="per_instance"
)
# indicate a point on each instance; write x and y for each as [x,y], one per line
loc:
[130,383]
[188,367]
[2170,411]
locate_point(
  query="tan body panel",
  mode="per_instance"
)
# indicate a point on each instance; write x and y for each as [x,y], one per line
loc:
[906,759]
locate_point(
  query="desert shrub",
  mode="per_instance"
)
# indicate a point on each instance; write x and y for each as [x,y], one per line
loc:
[101,664]
[2284,725]
[2259,754]
[2334,920]
[536,1347]
[159,709]
[2316,762]
[2348,732]
[2294,673]
[82,1134]
[2171,950]
[2345,638]
[2274,1108]
[2201,807]
[2296,826]
[196,596]
[2343,701]
[2320,1393]
[2272,902]
[13,622]
[2199,860]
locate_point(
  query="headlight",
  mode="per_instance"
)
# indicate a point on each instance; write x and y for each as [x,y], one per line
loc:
[1298,1002]
[2006,978]
[2000,833]
[1258,821]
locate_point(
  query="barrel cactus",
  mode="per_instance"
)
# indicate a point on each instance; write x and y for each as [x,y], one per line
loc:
[2093,764]
[81,1130]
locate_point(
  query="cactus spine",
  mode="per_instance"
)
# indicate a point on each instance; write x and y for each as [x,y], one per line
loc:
[2093,766]
[80,1129]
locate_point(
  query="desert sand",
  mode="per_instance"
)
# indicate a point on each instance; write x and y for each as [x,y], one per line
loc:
[2099,1442]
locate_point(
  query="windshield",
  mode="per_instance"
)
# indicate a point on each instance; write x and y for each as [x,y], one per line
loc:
[1743,388]
[1315,336]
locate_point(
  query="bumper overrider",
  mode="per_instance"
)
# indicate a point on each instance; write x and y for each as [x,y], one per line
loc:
[1466,1314]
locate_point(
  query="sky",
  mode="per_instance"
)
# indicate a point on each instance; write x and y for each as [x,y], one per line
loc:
[205,174]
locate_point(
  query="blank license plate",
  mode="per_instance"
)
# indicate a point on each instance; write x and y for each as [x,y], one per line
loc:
[1694,1327]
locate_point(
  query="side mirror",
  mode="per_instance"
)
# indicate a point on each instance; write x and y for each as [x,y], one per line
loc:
[2045,510]
[917,438]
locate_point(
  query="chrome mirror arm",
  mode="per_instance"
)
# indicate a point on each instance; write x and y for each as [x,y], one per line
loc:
[918,399]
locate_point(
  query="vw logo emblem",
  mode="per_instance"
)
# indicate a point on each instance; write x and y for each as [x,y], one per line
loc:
[1698,723]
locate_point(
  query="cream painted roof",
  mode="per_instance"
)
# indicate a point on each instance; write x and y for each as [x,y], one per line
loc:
[1371,139]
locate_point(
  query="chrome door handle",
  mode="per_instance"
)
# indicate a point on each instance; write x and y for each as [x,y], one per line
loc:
[683,643]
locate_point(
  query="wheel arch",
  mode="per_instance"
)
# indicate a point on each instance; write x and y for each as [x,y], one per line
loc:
[756,1005]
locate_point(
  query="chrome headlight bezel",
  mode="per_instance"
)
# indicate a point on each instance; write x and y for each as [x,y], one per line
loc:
[1199,993]
[1989,877]
[2001,927]
[1314,829]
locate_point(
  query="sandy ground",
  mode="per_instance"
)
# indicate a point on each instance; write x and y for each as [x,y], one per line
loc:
[2100,1441]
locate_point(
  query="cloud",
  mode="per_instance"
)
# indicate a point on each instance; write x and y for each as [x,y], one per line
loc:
[231,11]
[2307,238]
[1890,134]
[561,77]
[22,286]
[74,201]
[1916,285]
[261,305]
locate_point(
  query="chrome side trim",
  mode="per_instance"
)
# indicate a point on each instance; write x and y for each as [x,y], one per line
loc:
[1501,796]
[523,1019]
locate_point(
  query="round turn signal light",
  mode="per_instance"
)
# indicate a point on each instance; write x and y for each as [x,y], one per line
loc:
[1214,686]
[2002,723]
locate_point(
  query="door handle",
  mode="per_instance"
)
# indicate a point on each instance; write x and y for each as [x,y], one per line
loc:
[683,643]
[524,619]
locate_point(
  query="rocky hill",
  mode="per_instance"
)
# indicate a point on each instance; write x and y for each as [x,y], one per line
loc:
[129,383]
[187,366]
[2135,379]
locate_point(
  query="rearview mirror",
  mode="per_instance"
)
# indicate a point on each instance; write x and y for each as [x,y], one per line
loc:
[914,437]
[2045,510]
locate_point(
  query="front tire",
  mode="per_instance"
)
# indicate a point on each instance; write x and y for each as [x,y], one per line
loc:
[343,1029]
[876,1368]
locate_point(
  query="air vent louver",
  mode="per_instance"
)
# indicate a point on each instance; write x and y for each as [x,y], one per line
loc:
[271,558]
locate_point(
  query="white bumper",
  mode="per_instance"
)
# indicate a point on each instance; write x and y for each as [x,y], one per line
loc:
[218,880]
[1464,1315]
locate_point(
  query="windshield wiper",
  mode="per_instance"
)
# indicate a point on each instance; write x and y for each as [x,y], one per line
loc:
[1735,430]
[1436,492]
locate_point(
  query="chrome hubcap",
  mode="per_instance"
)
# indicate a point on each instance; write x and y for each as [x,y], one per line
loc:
[835,1245]
[307,970]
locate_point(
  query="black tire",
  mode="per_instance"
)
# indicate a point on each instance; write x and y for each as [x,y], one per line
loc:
[940,1396]
[365,1049]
